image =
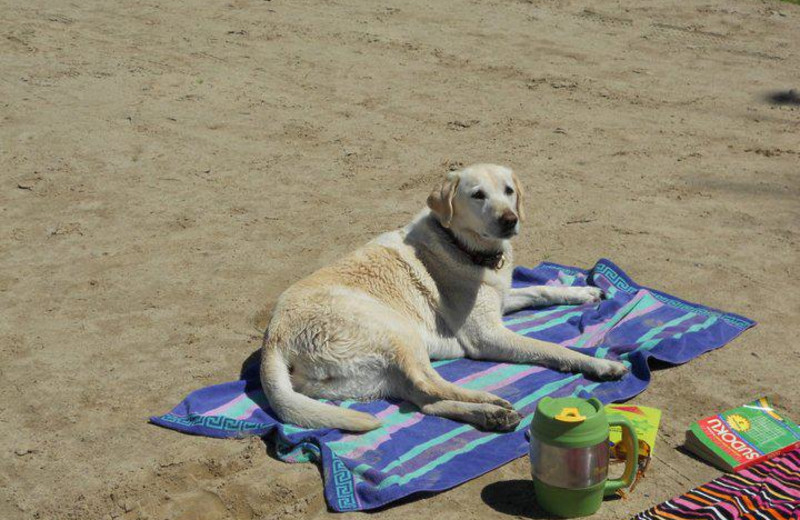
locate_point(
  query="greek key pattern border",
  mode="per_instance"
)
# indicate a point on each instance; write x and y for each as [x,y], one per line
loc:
[615,279]
[620,283]
[216,422]
[344,486]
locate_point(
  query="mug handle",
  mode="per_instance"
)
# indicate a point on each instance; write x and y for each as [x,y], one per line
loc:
[631,459]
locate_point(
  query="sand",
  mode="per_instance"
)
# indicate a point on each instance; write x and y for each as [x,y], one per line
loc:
[168,168]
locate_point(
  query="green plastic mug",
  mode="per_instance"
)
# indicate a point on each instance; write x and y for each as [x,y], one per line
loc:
[570,454]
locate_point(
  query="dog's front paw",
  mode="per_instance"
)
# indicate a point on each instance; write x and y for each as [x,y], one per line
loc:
[594,294]
[606,370]
[579,295]
[500,419]
[502,403]
[489,398]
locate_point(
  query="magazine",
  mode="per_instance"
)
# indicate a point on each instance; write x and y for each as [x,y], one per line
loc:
[738,438]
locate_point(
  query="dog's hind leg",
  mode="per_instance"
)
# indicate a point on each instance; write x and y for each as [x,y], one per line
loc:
[484,415]
[417,381]
[414,370]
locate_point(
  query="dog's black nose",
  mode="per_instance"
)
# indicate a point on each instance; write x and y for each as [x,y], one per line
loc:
[508,220]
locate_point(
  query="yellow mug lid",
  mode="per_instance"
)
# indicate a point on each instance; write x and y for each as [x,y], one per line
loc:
[571,415]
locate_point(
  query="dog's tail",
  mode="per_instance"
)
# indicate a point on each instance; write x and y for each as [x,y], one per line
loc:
[299,409]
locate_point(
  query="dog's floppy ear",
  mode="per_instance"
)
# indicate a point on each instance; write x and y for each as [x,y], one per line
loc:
[520,193]
[441,199]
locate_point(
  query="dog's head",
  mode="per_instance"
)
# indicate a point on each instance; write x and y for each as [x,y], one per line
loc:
[483,201]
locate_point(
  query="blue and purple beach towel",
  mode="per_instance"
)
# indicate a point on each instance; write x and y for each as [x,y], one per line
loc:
[412,452]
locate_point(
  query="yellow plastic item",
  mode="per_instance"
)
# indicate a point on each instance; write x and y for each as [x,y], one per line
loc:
[570,415]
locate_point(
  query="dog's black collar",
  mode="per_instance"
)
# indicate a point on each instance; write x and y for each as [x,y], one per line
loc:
[491,260]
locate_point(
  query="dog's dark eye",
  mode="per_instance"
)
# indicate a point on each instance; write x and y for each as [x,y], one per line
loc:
[509,190]
[479,195]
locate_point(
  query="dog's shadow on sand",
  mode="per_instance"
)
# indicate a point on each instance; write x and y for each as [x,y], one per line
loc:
[251,366]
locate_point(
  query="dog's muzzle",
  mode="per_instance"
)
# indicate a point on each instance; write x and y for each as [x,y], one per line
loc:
[507,221]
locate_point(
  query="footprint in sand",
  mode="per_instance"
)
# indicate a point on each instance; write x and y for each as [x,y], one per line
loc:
[194,505]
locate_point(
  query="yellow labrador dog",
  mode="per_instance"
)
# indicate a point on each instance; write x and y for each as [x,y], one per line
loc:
[368,326]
